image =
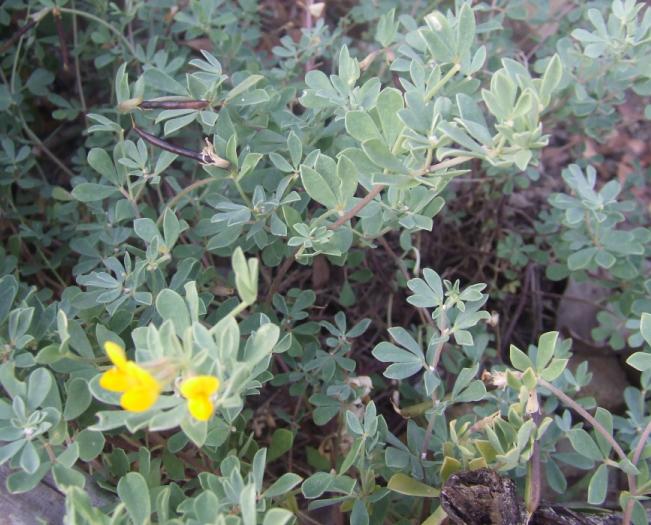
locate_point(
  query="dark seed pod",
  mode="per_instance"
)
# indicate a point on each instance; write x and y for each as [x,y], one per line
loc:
[174,104]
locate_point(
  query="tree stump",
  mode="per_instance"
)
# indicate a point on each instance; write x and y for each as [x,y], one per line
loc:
[483,497]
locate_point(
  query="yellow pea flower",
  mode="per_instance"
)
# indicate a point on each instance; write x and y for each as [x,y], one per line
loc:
[198,390]
[139,388]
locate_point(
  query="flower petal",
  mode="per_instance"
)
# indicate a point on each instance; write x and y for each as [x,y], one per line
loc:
[115,353]
[138,399]
[199,386]
[200,407]
[115,380]
[141,376]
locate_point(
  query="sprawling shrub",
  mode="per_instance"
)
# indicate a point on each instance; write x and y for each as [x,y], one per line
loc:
[243,246]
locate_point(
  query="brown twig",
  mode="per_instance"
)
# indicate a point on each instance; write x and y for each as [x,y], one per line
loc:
[65,58]
[375,190]
[20,32]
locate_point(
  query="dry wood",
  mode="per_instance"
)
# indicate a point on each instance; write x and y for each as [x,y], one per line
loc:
[483,497]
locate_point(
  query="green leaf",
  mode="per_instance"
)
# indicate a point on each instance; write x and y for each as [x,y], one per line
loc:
[353,423]
[546,347]
[171,228]
[78,398]
[359,514]
[347,181]
[91,444]
[598,486]
[351,456]
[39,384]
[519,359]
[29,459]
[65,477]
[248,505]
[404,484]
[438,517]
[134,493]
[175,124]
[581,259]
[281,442]
[163,82]
[640,361]
[360,126]
[9,450]
[317,484]
[247,83]
[449,466]
[584,444]
[379,154]
[171,307]
[246,276]
[101,162]
[20,482]
[465,30]
[91,192]
[551,78]
[197,431]
[317,187]
[277,517]
[389,104]
[645,327]
[38,82]
[282,485]
[554,370]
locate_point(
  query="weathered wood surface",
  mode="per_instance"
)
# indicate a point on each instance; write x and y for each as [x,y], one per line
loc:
[483,497]
[44,504]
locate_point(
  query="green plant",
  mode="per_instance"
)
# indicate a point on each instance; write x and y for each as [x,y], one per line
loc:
[209,226]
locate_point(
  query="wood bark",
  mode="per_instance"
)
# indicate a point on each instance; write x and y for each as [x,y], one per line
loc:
[483,497]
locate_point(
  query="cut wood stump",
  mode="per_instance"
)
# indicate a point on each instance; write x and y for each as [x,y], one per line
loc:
[483,497]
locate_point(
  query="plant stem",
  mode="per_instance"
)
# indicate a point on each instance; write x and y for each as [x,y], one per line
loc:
[43,147]
[98,20]
[188,189]
[442,325]
[632,484]
[244,196]
[642,443]
[533,471]
[436,87]
[628,510]
[375,190]
[80,89]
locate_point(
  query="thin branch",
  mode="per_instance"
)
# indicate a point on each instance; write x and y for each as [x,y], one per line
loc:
[80,88]
[375,190]
[100,21]
[632,484]
[35,19]
[637,454]
[190,188]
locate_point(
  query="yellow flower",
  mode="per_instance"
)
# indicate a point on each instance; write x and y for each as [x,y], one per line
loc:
[139,388]
[198,390]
